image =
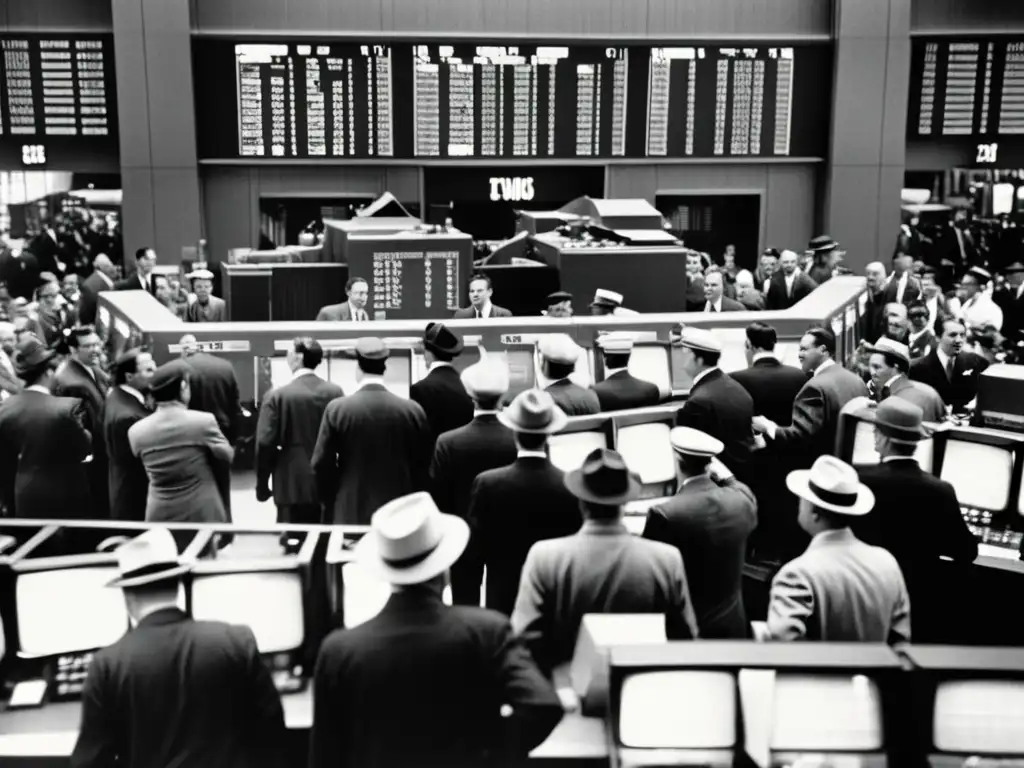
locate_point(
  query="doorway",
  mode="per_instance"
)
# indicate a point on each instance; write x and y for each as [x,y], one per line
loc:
[710,222]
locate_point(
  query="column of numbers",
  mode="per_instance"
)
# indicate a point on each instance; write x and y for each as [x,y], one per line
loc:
[721,102]
[451,283]
[428,282]
[691,103]
[927,112]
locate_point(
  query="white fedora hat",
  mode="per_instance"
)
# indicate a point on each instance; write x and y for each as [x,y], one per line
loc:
[148,558]
[411,541]
[832,485]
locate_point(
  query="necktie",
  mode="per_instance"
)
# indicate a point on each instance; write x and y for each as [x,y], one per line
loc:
[711,307]
[362,315]
[478,315]
[789,289]
[949,368]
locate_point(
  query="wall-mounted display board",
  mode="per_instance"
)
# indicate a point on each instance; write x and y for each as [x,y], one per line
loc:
[58,101]
[314,99]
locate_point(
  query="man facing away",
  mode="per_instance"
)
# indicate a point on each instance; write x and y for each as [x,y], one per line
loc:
[620,390]
[126,405]
[440,393]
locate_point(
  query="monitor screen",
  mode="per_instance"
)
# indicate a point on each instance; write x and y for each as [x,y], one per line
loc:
[647,450]
[521,371]
[342,371]
[365,595]
[280,373]
[979,716]
[818,713]
[678,710]
[650,363]
[864,448]
[275,616]
[569,450]
[988,489]
[734,355]
[788,353]
[469,356]
[68,611]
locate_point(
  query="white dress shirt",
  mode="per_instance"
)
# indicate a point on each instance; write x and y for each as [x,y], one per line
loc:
[531,455]
[790,279]
[980,311]
[299,372]
[358,315]
[133,392]
[713,306]
[484,312]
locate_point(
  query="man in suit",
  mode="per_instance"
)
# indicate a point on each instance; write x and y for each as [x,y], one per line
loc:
[978,309]
[512,508]
[142,278]
[48,251]
[213,386]
[889,364]
[919,533]
[620,390]
[559,304]
[767,266]
[950,370]
[559,353]
[709,521]
[42,442]
[10,384]
[922,339]
[716,404]
[840,589]
[772,385]
[126,405]
[207,308]
[815,419]
[440,393]
[1011,301]
[902,287]
[187,458]
[480,306]
[825,255]
[957,243]
[101,279]
[373,446]
[286,434]
[788,285]
[602,568]
[939,306]
[694,298]
[747,293]
[462,454]
[353,309]
[175,691]
[369,683]
[872,322]
[714,298]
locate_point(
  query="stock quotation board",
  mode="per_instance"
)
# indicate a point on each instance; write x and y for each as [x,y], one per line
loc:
[58,103]
[313,99]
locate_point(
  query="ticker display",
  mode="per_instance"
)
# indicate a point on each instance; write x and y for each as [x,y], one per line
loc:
[309,99]
[57,98]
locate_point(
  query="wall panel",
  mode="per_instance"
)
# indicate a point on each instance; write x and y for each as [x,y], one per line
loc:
[78,15]
[963,16]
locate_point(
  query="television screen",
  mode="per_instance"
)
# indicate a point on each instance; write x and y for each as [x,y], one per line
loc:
[678,710]
[366,595]
[342,371]
[817,713]
[788,353]
[734,340]
[68,611]
[569,450]
[647,450]
[864,448]
[521,371]
[280,373]
[469,356]
[650,363]
[988,489]
[268,602]
[979,717]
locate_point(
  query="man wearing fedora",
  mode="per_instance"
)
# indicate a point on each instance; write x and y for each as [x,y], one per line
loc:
[602,568]
[286,433]
[609,303]
[423,683]
[708,521]
[44,446]
[187,458]
[373,445]
[559,304]
[889,364]
[825,255]
[462,454]
[620,390]
[916,515]
[440,393]
[174,691]
[514,507]
[840,589]
[559,353]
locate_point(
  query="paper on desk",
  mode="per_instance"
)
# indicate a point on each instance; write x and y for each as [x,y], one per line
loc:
[28,693]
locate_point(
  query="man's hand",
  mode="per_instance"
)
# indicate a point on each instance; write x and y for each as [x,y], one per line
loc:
[718,471]
[263,493]
[760,424]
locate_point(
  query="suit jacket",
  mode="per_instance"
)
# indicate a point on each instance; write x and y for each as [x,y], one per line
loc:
[127,481]
[134,283]
[722,408]
[773,388]
[623,390]
[910,293]
[370,682]
[174,691]
[776,297]
[709,524]
[459,456]
[601,569]
[469,313]
[816,411]
[574,399]
[728,305]
[42,447]
[336,312]
[90,385]
[923,344]
[443,398]
[48,253]
[215,390]
[957,391]
[872,322]
[188,462]
[88,298]
[753,301]
[920,394]
[373,447]
[840,590]
[510,510]
[215,311]
[286,433]
[1013,314]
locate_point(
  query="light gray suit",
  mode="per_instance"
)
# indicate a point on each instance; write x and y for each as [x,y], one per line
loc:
[840,590]
[188,461]
[920,394]
[600,569]
[337,313]
[816,411]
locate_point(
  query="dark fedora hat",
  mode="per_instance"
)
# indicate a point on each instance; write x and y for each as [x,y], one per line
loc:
[822,243]
[604,478]
[438,339]
[31,355]
[900,419]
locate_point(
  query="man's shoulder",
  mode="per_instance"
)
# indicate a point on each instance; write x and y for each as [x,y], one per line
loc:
[497,311]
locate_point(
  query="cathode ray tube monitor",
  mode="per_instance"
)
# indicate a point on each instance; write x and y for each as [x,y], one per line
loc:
[988,489]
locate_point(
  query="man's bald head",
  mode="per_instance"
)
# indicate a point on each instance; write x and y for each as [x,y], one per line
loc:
[875,273]
[189,345]
[102,263]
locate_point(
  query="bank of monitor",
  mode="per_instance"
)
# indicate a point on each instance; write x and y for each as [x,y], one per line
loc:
[968,703]
[642,437]
[984,466]
[581,436]
[339,367]
[856,438]
[707,703]
[470,356]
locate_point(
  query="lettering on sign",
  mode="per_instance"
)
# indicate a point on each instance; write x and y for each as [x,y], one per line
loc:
[33,154]
[987,153]
[519,338]
[214,346]
[511,189]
